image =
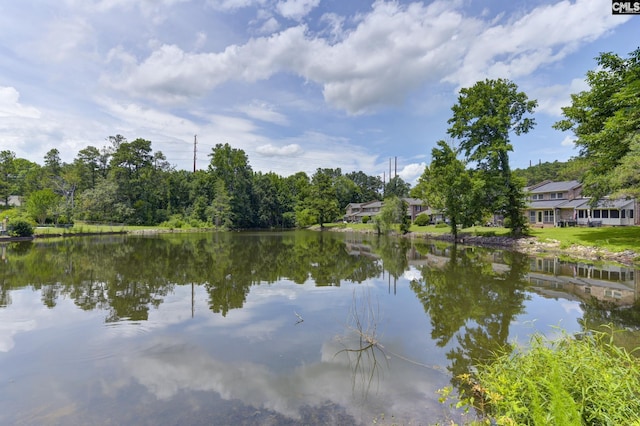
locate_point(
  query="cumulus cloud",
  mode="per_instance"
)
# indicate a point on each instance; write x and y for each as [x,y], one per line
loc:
[10,105]
[393,50]
[274,151]
[411,172]
[296,9]
[568,141]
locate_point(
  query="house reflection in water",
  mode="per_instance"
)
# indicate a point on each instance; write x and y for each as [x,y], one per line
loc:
[610,283]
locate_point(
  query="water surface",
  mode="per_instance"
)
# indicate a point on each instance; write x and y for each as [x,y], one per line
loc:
[271,328]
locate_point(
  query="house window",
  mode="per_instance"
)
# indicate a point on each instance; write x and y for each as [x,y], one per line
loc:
[595,214]
[535,197]
[624,214]
[548,216]
[581,214]
[630,214]
[605,214]
[557,195]
[532,216]
[615,214]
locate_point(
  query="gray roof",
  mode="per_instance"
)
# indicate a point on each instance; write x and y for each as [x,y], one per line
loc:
[613,204]
[545,204]
[555,187]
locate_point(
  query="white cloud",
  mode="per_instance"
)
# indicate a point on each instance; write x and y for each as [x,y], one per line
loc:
[296,9]
[230,5]
[568,141]
[10,105]
[551,99]
[269,26]
[394,50]
[517,48]
[285,151]
[411,172]
[264,112]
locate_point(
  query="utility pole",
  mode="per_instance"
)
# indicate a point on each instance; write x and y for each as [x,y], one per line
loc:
[395,170]
[195,143]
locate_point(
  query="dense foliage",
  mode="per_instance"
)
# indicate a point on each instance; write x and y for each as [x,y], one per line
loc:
[606,121]
[571,381]
[129,183]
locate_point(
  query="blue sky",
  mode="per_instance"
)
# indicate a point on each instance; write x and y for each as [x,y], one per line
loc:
[296,84]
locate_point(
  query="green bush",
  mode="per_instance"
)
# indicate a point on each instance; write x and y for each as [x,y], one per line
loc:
[366,219]
[572,380]
[20,228]
[441,225]
[422,220]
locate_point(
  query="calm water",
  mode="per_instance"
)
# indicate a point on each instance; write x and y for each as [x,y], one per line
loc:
[297,328]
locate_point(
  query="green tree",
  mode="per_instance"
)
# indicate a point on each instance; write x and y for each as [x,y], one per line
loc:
[322,200]
[40,204]
[369,187]
[231,166]
[7,174]
[483,119]
[447,186]
[397,188]
[220,209]
[606,119]
[393,211]
[88,165]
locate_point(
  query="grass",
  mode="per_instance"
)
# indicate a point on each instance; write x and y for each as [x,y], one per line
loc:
[81,228]
[569,381]
[615,239]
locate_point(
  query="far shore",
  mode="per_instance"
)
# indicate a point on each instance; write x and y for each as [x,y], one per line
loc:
[494,237]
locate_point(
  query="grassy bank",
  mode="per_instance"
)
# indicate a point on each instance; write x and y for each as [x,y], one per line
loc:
[614,239]
[578,380]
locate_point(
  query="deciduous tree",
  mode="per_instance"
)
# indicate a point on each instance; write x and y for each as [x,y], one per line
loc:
[605,120]
[483,119]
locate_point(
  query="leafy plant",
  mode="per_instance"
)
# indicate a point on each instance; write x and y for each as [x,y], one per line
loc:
[573,380]
[20,228]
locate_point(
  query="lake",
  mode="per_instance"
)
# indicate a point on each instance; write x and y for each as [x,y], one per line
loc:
[267,328]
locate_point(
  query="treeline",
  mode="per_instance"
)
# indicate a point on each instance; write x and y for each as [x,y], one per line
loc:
[127,182]
[574,169]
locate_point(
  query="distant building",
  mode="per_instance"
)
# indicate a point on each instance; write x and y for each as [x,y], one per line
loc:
[14,201]
[356,211]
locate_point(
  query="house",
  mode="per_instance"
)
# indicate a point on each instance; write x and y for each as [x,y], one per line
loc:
[546,201]
[356,211]
[562,204]
[14,201]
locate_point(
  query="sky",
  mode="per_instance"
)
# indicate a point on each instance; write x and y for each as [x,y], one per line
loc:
[296,84]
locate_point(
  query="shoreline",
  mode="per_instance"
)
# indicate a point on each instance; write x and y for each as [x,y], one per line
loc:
[525,245]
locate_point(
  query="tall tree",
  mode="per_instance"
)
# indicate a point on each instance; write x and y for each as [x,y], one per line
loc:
[447,186]
[397,188]
[321,202]
[220,209]
[7,175]
[606,120]
[232,167]
[483,119]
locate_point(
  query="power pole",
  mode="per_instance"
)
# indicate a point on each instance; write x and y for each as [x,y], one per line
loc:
[195,143]
[395,170]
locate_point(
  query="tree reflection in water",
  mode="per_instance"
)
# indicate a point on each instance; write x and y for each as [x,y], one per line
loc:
[472,296]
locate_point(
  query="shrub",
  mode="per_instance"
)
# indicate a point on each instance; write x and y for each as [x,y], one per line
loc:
[366,219]
[20,228]
[422,220]
[441,225]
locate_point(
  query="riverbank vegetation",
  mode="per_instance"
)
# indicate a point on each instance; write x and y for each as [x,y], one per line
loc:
[574,380]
